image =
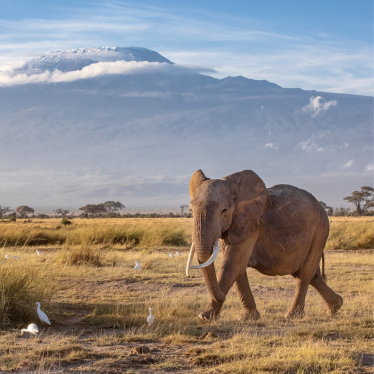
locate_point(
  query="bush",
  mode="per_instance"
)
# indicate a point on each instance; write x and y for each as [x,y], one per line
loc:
[65,221]
[12,218]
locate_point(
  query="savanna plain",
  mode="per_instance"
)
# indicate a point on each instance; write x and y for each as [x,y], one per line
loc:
[98,303]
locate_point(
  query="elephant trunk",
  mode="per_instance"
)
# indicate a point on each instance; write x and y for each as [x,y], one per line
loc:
[206,254]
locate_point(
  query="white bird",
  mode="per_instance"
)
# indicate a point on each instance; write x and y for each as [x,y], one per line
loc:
[16,257]
[38,253]
[150,318]
[178,253]
[7,257]
[43,317]
[137,263]
[137,266]
[171,255]
[31,328]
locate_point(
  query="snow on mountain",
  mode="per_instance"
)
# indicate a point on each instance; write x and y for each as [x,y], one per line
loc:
[76,59]
[138,138]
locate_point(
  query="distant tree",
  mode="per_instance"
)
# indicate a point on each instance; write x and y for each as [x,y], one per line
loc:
[328,209]
[113,206]
[4,209]
[364,197]
[63,212]
[341,212]
[42,216]
[94,209]
[23,210]
[183,208]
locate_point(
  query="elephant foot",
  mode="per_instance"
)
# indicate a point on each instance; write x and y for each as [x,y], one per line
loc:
[295,313]
[250,315]
[211,313]
[336,306]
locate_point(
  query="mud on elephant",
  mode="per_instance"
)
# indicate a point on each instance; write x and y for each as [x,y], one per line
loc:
[278,231]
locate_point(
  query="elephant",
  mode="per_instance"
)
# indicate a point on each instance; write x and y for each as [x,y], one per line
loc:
[278,231]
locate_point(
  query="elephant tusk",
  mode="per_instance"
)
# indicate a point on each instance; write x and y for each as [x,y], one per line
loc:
[211,260]
[190,257]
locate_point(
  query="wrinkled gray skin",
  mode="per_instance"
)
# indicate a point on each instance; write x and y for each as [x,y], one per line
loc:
[278,231]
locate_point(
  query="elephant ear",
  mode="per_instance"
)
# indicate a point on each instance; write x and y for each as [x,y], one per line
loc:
[197,178]
[251,200]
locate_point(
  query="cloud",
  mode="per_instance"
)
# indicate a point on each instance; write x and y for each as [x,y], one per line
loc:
[310,146]
[12,65]
[331,64]
[348,164]
[317,105]
[369,167]
[10,78]
[271,145]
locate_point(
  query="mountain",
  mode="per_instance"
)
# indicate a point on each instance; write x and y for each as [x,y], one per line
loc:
[137,136]
[76,59]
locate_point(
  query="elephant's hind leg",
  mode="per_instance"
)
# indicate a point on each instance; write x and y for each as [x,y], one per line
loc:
[246,298]
[298,304]
[333,300]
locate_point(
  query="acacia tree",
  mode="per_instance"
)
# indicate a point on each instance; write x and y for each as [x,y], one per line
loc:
[93,209]
[364,197]
[113,206]
[4,209]
[63,212]
[23,210]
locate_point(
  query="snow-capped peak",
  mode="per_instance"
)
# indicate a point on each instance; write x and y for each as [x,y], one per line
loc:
[76,59]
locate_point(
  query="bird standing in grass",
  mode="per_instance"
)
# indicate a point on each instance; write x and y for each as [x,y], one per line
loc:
[150,318]
[171,255]
[137,265]
[38,253]
[7,257]
[43,317]
[31,328]
[178,253]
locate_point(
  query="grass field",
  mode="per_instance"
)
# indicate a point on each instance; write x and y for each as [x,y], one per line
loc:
[98,309]
[345,232]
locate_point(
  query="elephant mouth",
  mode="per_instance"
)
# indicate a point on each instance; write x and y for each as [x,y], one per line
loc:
[205,264]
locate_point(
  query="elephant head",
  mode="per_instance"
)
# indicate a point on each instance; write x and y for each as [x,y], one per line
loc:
[229,208]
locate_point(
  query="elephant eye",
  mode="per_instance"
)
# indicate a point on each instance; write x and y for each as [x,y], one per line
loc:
[224,211]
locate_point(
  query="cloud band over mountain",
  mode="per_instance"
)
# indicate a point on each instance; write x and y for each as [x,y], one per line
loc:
[11,77]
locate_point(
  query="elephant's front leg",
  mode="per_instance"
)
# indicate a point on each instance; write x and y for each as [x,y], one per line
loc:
[235,260]
[246,298]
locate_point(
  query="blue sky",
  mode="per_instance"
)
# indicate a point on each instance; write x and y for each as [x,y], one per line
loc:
[323,45]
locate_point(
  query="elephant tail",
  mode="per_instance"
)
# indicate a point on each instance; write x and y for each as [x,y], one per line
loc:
[323,266]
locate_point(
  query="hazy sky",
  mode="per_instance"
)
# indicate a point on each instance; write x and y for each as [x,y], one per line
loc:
[322,45]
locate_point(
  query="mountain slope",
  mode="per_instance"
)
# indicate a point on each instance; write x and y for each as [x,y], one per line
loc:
[139,137]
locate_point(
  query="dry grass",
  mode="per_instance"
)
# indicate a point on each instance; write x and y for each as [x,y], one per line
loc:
[20,287]
[99,319]
[345,233]
[83,255]
[98,309]
[351,234]
[125,232]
